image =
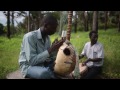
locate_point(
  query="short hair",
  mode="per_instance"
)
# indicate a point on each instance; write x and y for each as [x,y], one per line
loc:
[91,32]
[49,19]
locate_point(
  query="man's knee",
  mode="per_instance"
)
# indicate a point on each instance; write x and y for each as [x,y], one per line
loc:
[46,74]
[39,73]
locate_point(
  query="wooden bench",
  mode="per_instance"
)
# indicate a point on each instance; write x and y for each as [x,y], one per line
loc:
[15,75]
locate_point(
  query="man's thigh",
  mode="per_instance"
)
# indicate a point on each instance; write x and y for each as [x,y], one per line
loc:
[38,72]
[92,73]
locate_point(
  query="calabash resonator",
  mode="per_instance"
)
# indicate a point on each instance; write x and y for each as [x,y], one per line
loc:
[66,59]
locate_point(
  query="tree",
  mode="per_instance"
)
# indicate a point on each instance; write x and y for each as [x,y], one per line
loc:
[13,28]
[81,19]
[95,21]
[106,19]
[63,20]
[118,21]
[1,28]
[34,19]
[8,24]
[13,15]
[90,19]
[75,22]
[85,21]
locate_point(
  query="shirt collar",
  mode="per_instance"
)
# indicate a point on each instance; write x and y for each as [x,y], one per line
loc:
[95,43]
[39,36]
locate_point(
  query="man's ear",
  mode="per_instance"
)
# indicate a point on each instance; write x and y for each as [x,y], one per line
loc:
[44,25]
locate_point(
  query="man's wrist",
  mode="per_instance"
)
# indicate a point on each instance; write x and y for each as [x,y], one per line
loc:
[89,59]
[81,56]
[49,50]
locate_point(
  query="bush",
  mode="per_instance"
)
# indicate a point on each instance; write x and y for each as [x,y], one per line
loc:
[110,25]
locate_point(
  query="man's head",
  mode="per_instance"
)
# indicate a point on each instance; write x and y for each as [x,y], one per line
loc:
[93,35]
[49,24]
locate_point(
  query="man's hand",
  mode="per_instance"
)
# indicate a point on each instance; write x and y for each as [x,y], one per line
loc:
[84,63]
[81,56]
[56,45]
[55,41]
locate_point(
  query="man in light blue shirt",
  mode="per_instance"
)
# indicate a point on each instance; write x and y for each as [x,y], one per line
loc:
[37,55]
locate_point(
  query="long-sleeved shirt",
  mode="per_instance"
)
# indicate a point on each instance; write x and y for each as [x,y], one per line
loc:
[34,51]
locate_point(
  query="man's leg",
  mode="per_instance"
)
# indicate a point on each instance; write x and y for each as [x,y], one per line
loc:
[37,72]
[92,73]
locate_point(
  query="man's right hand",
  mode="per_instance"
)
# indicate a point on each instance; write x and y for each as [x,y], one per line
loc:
[55,41]
[81,56]
[83,64]
[56,46]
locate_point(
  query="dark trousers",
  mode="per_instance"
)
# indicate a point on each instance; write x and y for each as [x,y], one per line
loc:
[92,73]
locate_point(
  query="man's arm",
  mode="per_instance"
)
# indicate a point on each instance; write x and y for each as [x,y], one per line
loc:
[100,55]
[81,56]
[94,60]
[56,45]
[31,54]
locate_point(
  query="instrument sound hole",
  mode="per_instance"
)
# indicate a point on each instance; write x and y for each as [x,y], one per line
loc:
[66,51]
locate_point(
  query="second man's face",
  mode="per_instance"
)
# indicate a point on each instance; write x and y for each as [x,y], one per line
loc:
[94,38]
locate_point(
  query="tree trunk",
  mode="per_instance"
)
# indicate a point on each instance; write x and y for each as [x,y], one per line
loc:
[106,19]
[63,18]
[75,24]
[119,22]
[13,29]
[95,21]
[85,21]
[8,24]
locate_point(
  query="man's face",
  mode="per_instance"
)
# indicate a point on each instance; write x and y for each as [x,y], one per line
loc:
[51,29]
[94,38]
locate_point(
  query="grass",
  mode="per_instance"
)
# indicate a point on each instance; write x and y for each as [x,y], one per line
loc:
[9,53]
[10,49]
[111,42]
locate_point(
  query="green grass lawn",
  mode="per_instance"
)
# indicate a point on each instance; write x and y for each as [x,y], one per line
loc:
[9,54]
[10,49]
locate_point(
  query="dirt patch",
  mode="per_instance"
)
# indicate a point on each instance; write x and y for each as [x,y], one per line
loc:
[15,75]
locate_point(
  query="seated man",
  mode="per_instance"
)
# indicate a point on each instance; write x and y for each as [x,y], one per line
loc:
[94,52]
[37,55]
